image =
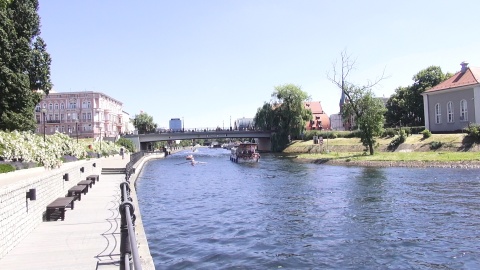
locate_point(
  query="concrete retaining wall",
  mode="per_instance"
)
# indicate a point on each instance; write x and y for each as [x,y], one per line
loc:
[20,216]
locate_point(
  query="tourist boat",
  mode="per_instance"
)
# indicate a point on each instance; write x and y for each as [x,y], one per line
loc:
[189,157]
[244,152]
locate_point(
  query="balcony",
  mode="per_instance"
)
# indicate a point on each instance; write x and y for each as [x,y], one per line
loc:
[53,121]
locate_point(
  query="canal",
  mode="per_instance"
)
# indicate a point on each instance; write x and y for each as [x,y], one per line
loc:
[283,214]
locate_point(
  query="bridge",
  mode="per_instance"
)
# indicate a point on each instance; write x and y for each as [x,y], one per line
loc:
[141,141]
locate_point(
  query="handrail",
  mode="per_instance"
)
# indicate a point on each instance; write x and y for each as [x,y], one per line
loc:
[128,241]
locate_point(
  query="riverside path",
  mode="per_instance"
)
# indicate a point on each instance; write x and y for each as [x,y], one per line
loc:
[88,238]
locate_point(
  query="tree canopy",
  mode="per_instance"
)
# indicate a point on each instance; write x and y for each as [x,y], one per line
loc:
[405,106]
[144,123]
[285,114]
[24,64]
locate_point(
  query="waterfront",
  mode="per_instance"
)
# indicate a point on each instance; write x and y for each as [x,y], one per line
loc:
[283,214]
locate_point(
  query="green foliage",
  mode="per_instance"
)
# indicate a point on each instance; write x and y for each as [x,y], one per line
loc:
[286,115]
[368,112]
[5,168]
[144,123]
[25,64]
[426,133]
[405,106]
[473,131]
[399,139]
[435,145]
[127,144]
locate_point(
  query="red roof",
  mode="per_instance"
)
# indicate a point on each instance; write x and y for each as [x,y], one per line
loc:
[470,77]
[314,106]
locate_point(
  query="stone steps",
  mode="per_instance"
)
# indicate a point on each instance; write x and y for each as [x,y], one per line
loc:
[113,170]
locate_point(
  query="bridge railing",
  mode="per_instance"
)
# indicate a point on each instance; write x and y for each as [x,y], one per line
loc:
[129,257]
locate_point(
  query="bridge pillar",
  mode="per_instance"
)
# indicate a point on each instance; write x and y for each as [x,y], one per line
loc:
[264,144]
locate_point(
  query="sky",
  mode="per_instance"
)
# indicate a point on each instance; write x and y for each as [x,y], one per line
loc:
[210,62]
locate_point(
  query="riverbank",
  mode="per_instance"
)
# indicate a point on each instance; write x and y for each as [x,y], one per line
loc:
[440,151]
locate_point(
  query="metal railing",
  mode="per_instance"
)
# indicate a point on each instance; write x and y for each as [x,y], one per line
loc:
[129,257]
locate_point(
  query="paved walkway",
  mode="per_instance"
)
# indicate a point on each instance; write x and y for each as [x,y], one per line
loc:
[88,238]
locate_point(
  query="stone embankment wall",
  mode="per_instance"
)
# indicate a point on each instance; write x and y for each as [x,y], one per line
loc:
[19,216]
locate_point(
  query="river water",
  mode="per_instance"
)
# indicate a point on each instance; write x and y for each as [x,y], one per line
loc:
[283,214]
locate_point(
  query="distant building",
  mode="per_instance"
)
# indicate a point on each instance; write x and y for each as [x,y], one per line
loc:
[243,123]
[84,114]
[336,122]
[127,123]
[175,124]
[320,120]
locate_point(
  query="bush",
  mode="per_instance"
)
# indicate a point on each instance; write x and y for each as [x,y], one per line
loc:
[5,168]
[426,133]
[435,145]
[127,144]
[402,136]
[473,131]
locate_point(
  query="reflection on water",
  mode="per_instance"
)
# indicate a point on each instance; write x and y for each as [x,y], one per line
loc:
[282,214]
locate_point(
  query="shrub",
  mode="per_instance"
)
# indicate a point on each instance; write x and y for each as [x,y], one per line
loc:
[5,168]
[435,145]
[473,131]
[397,140]
[426,133]
[127,144]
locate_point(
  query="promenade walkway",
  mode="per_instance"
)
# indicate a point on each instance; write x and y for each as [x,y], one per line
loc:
[88,238]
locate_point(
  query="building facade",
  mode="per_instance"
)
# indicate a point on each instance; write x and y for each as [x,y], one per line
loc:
[80,114]
[320,120]
[175,124]
[453,104]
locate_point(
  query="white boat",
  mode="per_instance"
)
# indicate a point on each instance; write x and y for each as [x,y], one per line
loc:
[245,152]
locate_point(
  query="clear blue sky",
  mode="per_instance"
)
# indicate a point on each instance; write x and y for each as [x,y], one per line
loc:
[209,60]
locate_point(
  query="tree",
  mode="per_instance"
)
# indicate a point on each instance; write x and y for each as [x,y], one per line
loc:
[405,106]
[286,114]
[24,64]
[359,102]
[369,114]
[144,123]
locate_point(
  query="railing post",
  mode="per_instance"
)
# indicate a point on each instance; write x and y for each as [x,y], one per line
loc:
[125,247]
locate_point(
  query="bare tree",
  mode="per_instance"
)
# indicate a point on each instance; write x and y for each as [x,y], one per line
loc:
[359,101]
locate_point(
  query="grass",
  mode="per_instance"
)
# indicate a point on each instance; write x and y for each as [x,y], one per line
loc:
[397,156]
[414,142]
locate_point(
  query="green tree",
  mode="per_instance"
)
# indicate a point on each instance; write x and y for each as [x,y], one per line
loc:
[24,64]
[360,104]
[144,123]
[128,144]
[286,115]
[369,114]
[405,106]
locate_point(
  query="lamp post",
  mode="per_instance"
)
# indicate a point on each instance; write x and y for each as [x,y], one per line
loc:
[44,112]
[100,138]
[76,128]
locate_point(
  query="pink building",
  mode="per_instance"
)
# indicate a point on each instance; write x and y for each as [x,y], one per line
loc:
[84,114]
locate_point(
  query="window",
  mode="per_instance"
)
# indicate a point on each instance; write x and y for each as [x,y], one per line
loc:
[84,105]
[89,104]
[450,112]
[62,106]
[56,106]
[463,110]
[438,114]
[73,105]
[50,106]
[89,116]
[84,116]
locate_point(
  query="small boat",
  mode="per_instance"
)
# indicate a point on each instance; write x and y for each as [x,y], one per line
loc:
[189,157]
[244,152]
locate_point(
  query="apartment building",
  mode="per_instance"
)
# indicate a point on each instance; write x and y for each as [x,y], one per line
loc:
[80,114]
